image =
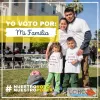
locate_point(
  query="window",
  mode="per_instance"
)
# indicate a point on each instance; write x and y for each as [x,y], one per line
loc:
[15,14]
[30,4]
[54,9]
[16,2]
[30,14]
[42,7]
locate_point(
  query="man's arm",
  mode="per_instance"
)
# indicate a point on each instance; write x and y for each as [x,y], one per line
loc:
[87,38]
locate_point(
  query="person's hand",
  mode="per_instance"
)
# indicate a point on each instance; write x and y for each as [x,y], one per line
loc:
[74,62]
[80,52]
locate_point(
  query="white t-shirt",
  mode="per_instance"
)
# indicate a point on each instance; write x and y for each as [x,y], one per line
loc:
[63,35]
[78,28]
[71,55]
[55,63]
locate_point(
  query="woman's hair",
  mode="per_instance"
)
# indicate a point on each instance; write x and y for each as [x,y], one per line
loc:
[57,45]
[65,21]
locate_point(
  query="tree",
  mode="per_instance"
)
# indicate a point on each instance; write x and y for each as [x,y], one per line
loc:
[78,7]
[39,45]
[97,34]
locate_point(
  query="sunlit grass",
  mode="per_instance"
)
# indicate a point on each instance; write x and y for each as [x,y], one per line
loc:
[20,76]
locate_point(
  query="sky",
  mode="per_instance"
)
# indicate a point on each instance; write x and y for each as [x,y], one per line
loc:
[89,14]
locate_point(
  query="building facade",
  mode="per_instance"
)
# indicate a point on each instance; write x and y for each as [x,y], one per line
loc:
[29,8]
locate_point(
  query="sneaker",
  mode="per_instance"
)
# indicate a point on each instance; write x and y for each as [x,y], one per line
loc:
[64,92]
[55,93]
[45,93]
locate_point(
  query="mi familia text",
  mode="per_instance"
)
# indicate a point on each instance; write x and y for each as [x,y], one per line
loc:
[30,32]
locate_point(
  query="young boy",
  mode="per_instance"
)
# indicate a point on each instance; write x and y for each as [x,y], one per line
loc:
[72,65]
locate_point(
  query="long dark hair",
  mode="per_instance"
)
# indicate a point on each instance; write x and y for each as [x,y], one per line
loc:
[55,44]
[65,21]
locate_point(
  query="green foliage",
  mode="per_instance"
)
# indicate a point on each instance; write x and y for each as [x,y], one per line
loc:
[39,45]
[78,7]
[97,34]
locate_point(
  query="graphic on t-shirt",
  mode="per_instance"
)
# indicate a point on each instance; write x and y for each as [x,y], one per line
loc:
[53,61]
[71,57]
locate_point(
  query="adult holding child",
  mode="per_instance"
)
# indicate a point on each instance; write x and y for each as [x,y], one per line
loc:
[82,35]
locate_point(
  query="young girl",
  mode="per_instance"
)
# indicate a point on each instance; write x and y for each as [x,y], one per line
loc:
[55,68]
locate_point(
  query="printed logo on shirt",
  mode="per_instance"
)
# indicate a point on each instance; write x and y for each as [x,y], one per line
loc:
[71,58]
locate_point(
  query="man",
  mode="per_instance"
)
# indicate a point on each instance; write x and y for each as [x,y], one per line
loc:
[82,34]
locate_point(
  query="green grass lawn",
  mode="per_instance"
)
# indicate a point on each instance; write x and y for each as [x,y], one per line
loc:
[20,76]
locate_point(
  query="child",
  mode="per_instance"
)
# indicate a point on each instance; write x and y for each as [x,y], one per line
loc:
[72,65]
[55,68]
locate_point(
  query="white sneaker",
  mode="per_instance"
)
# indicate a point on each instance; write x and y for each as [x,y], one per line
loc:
[55,93]
[45,93]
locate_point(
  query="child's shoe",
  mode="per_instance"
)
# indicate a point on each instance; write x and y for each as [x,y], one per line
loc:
[55,93]
[64,92]
[45,93]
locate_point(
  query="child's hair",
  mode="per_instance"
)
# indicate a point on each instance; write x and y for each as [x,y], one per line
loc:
[57,45]
[70,39]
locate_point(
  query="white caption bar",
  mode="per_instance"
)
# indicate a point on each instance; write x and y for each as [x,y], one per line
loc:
[30,32]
